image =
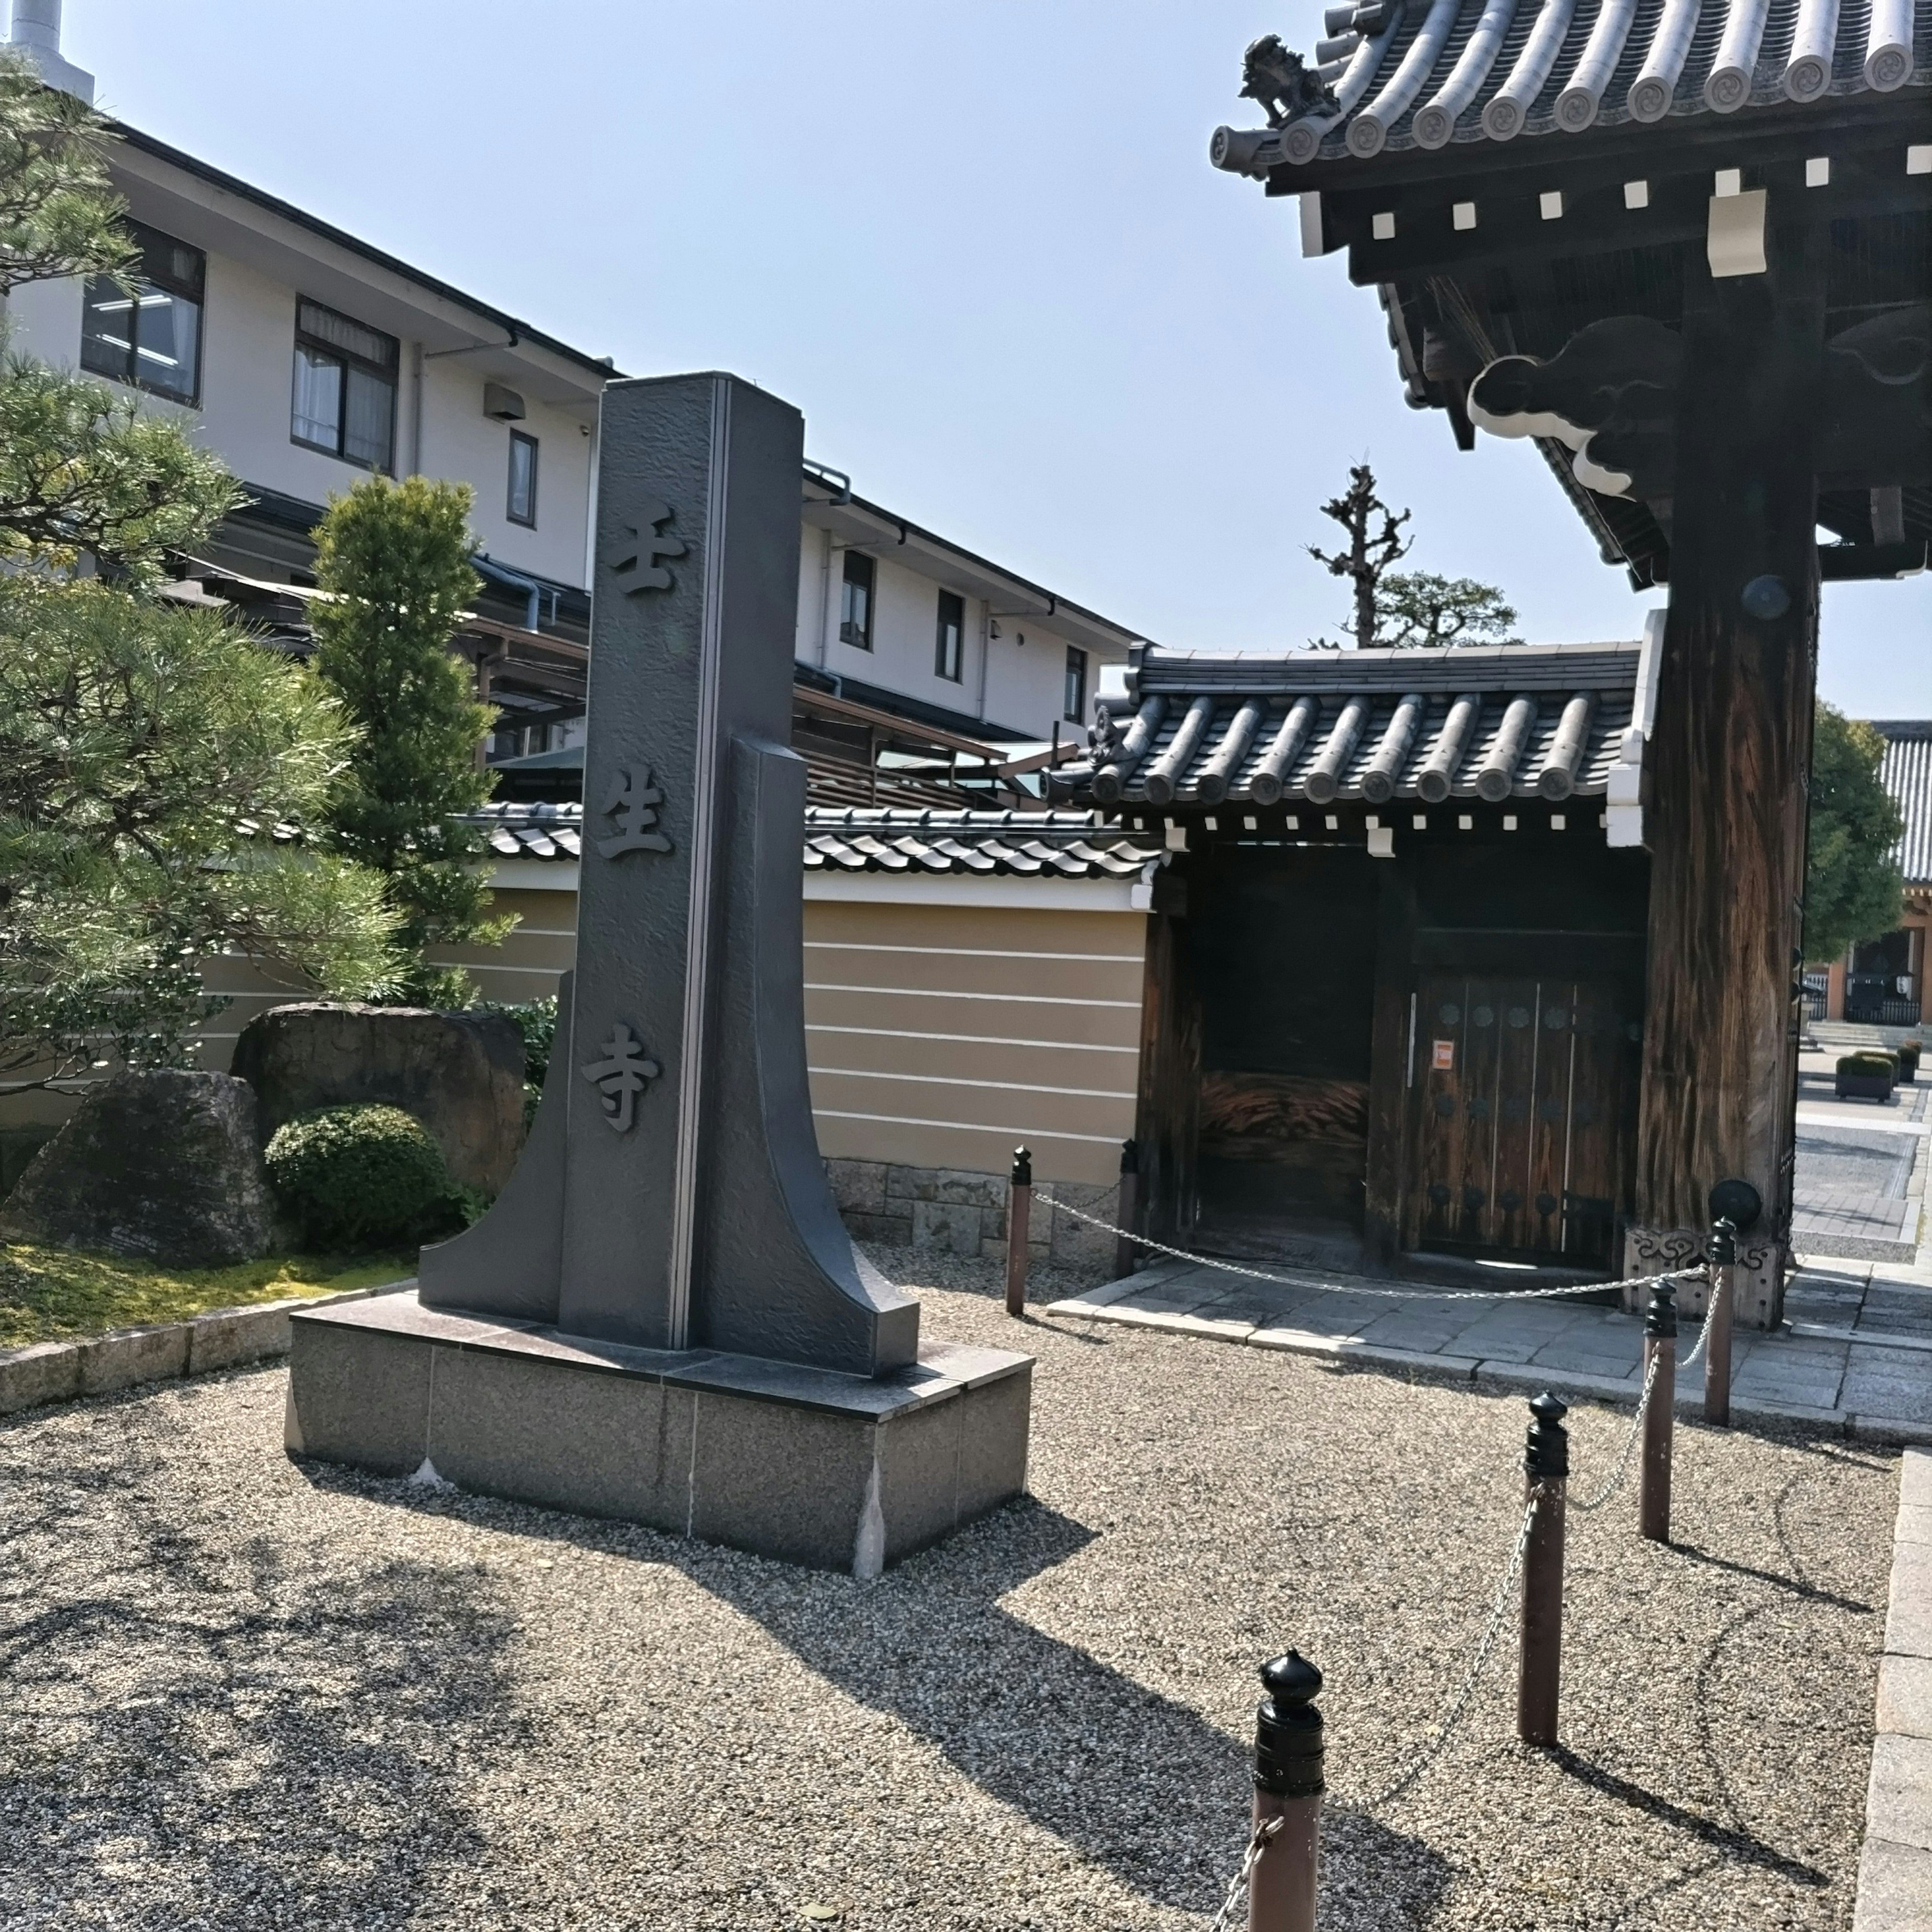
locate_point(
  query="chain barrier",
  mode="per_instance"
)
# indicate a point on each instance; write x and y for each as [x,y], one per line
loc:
[1417,1294]
[1238,1887]
[1499,1610]
[1621,1473]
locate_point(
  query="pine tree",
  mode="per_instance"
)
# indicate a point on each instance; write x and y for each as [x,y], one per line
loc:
[146,751]
[1398,609]
[394,559]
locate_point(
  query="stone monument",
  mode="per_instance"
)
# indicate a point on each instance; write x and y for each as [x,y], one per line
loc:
[662,1318]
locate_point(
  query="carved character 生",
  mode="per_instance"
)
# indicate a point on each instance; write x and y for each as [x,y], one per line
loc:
[631,803]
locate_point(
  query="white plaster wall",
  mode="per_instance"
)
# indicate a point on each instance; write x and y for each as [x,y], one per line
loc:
[246,372]
[904,635]
[460,442]
[1026,683]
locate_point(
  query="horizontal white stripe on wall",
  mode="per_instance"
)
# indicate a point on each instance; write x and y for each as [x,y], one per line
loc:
[967,1127]
[971,952]
[976,1039]
[949,993]
[994,1086]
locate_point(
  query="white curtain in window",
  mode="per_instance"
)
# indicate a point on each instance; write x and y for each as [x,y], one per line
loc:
[318,410]
[365,436]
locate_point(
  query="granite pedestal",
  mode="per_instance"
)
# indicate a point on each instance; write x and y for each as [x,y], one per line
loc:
[838,1471]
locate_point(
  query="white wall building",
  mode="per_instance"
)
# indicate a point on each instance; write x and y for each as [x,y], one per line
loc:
[306,357]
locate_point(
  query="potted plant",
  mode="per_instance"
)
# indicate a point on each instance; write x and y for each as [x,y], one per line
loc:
[1907,1054]
[1868,1075]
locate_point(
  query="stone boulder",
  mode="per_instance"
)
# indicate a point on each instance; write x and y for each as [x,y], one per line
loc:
[460,1074]
[161,1165]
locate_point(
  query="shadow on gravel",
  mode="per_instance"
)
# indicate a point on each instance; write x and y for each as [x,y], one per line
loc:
[1740,1846]
[194,1734]
[1796,1585]
[1137,1783]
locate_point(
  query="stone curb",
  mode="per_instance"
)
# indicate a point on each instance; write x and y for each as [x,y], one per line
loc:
[223,1338]
[1097,1306]
[1895,1867]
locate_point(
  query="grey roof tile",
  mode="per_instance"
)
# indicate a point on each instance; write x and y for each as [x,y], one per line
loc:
[1031,845]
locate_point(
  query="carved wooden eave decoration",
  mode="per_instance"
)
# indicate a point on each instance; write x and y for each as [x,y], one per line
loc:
[1524,183]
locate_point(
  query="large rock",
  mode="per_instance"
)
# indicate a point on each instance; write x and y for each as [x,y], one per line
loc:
[460,1074]
[162,1166]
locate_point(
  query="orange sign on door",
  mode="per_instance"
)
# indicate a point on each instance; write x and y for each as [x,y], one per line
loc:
[1445,1061]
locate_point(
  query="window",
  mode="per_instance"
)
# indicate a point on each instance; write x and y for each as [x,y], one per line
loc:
[855,602]
[523,505]
[950,650]
[149,333]
[345,387]
[1076,684]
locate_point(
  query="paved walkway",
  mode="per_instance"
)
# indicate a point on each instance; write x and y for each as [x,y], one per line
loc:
[1862,1167]
[1855,1353]
[1895,1871]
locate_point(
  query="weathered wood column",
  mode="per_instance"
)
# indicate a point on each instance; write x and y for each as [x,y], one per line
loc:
[1726,815]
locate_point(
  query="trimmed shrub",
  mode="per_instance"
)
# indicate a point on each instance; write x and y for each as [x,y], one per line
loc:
[360,1177]
[1869,1063]
[1906,1053]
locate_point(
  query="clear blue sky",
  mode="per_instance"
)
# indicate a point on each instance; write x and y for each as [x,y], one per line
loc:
[977,242]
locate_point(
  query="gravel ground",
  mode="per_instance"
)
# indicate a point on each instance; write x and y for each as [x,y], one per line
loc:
[239,1692]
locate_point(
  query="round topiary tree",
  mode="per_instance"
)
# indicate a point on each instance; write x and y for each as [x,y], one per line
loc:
[360,1177]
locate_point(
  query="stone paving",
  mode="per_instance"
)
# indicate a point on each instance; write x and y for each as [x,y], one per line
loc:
[1895,1869]
[1855,1352]
[1861,1166]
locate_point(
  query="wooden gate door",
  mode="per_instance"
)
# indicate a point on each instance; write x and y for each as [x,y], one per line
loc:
[1515,1085]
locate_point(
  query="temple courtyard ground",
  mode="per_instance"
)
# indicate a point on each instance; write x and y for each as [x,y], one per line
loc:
[242,1692]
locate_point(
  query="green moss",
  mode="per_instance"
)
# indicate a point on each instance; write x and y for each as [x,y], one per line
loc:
[48,1295]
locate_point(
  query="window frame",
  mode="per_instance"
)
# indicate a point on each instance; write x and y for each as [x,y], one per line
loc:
[1074,688]
[869,566]
[152,242]
[957,675]
[320,348]
[530,522]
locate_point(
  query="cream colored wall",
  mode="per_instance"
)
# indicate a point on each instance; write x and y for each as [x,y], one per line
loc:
[937,1036]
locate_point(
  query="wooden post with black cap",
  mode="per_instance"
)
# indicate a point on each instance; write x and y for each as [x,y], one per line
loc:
[1289,1785]
[1735,1208]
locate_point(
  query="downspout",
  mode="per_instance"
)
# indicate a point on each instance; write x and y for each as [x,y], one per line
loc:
[986,651]
[416,409]
[825,598]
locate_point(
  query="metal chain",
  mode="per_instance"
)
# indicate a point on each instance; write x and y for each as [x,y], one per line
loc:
[1618,1474]
[1498,1611]
[1383,1294]
[1257,1844]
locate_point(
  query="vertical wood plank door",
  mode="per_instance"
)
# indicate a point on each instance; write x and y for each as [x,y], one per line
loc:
[1517,1084]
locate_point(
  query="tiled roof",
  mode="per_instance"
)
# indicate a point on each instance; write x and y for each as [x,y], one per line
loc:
[1907,774]
[1522,721]
[1043,844]
[1431,73]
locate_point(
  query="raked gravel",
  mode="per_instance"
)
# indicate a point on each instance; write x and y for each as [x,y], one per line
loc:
[239,1692]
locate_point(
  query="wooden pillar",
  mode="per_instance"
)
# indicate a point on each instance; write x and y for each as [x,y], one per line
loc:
[1166,1126]
[1728,765]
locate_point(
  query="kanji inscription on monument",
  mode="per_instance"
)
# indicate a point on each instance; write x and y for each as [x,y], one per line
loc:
[621,1075]
[632,805]
[662,1317]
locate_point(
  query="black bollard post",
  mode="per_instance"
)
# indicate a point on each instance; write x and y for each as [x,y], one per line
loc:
[1288,1786]
[1019,1213]
[1660,1346]
[1123,1215]
[1539,1672]
[1717,1339]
